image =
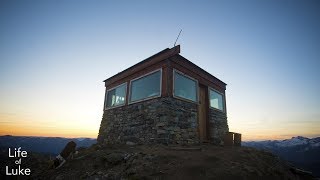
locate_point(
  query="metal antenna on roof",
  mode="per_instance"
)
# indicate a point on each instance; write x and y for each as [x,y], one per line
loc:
[177,38]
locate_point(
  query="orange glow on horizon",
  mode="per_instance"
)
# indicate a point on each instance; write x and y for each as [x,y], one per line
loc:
[77,133]
[46,132]
[21,125]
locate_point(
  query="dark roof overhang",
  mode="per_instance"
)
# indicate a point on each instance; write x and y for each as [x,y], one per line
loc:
[162,55]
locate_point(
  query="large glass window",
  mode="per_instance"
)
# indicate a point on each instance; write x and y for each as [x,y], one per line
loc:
[146,87]
[216,100]
[116,96]
[185,87]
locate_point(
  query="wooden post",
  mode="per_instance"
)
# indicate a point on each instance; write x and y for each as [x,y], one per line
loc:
[237,139]
[228,139]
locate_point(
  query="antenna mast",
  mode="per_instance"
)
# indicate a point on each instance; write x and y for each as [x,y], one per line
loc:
[177,38]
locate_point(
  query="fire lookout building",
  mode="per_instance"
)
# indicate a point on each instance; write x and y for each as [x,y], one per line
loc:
[164,99]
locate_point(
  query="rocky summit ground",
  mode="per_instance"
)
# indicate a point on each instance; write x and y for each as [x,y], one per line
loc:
[168,162]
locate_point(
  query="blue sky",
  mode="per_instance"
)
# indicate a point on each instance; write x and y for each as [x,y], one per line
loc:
[54,56]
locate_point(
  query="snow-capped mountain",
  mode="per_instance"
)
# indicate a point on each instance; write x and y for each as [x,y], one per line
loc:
[301,151]
[293,142]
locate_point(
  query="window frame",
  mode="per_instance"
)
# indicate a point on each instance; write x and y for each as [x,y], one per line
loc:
[223,100]
[188,77]
[106,96]
[140,77]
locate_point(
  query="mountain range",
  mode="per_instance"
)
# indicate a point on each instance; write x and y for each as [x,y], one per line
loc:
[45,145]
[302,152]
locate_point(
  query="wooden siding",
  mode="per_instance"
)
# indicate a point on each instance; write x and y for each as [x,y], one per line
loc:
[167,60]
[203,113]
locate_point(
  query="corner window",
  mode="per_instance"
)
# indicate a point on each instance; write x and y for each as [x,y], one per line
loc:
[146,87]
[216,100]
[185,87]
[116,96]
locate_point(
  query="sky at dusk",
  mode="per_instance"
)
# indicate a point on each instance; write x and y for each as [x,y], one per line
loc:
[54,56]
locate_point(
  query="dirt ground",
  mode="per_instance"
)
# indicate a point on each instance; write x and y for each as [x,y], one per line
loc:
[170,162]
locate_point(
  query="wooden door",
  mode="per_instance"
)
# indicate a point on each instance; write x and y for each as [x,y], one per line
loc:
[202,113]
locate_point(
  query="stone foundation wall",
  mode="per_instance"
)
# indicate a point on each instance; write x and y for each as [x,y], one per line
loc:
[218,126]
[160,120]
